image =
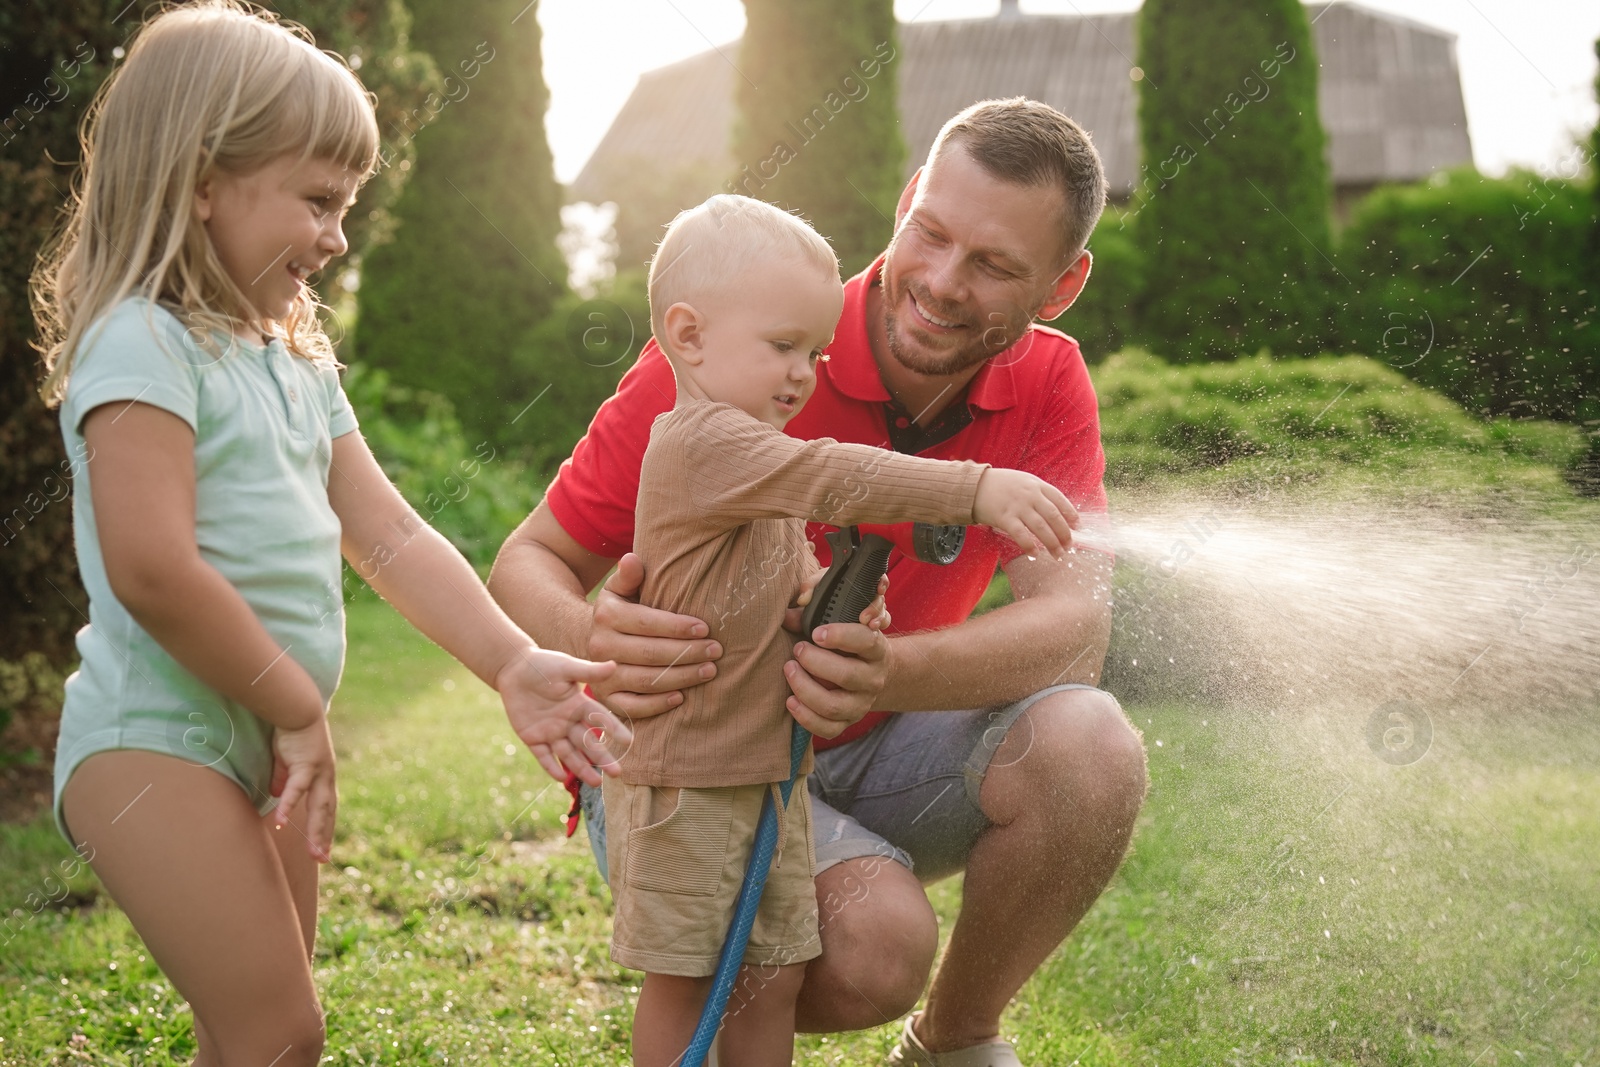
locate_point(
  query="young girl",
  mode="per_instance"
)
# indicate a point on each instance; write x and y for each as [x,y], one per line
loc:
[222,474]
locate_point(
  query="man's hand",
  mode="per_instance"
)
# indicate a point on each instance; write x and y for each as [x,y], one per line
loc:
[657,652]
[836,677]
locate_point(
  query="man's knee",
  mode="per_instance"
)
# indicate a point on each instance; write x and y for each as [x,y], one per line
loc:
[1075,745]
[879,938]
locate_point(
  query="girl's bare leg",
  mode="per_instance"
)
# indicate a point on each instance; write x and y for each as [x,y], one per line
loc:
[301,872]
[203,881]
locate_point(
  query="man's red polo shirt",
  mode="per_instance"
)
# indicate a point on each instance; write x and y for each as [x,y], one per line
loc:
[1033,409]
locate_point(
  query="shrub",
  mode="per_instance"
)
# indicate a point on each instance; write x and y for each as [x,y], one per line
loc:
[1306,415]
[1480,288]
[473,262]
[571,362]
[465,486]
[822,133]
[1103,318]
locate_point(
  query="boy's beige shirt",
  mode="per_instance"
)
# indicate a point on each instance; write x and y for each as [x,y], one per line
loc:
[720,526]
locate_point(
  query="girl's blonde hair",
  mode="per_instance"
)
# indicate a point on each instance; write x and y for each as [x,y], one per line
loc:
[206,87]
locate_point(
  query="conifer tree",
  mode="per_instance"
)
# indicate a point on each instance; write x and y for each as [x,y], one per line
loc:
[817,127]
[1233,190]
[473,263]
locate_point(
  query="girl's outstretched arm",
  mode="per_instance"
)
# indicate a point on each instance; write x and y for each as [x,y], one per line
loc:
[412,566]
[142,482]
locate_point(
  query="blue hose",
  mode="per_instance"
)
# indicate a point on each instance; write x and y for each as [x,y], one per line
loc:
[744,909]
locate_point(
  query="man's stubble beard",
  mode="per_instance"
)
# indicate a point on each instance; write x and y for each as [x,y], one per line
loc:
[942,364]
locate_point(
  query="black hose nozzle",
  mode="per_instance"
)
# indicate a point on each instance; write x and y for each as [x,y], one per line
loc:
[861,560]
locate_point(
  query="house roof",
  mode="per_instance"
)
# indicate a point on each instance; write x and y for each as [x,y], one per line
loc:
[1389,93]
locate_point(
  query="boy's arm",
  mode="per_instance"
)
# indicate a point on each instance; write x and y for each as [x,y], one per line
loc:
[738,469]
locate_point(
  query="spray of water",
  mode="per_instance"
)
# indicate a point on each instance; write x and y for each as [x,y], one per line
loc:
[1285,605]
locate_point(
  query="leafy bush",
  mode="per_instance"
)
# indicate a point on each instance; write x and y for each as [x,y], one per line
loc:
[473,262]
[1482,288]
[821,133]
[465,487]
[1102,319]
[569,363]
[1157,419]
[30,705]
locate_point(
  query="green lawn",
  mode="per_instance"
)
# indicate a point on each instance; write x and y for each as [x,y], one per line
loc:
[1290,898]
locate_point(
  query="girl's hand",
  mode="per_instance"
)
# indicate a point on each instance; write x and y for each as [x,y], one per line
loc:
[303,770]
[1029,510]
[544,699]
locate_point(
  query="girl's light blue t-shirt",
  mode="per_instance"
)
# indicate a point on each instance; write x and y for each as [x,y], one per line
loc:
[264,422]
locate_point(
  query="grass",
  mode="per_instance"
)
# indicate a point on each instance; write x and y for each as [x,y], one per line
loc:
[1289,898]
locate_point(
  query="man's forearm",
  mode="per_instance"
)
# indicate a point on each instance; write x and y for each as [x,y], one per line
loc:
[1001,656]
[543,596]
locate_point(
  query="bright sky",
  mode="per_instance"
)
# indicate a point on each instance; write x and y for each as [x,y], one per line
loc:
[1527,66]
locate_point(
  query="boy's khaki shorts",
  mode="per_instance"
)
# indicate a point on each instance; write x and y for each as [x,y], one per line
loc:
[677,858]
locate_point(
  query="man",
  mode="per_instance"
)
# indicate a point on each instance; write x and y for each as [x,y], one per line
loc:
[1034,794]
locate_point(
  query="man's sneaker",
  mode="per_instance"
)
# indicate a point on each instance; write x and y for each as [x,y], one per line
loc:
[912,1053]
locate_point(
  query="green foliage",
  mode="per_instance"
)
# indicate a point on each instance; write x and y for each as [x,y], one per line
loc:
[30,704]
[1301,418]
[1232,204]
[1594,170]
[473,262]
[1478,287]
[818,126]
[569,364]
[1102,319]
[464,486]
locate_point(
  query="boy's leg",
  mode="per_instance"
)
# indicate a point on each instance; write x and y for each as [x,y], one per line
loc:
[665,1016]
[759,1025]
[186,856]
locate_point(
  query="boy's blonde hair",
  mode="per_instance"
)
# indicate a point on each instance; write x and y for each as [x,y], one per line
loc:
[714,245]
[206,87]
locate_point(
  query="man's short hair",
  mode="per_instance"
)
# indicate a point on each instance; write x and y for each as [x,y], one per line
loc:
[1029,143]
[714,245]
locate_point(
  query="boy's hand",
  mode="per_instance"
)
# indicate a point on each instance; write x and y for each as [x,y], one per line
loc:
[875,615]
[543,694]
[1029,510]
[303,770]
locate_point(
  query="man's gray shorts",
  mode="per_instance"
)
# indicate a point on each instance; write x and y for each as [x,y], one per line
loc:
[908,790]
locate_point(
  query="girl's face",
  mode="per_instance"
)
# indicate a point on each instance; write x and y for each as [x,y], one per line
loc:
[273,227]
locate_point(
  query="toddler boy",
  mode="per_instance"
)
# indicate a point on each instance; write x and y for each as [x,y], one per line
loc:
[744,298]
